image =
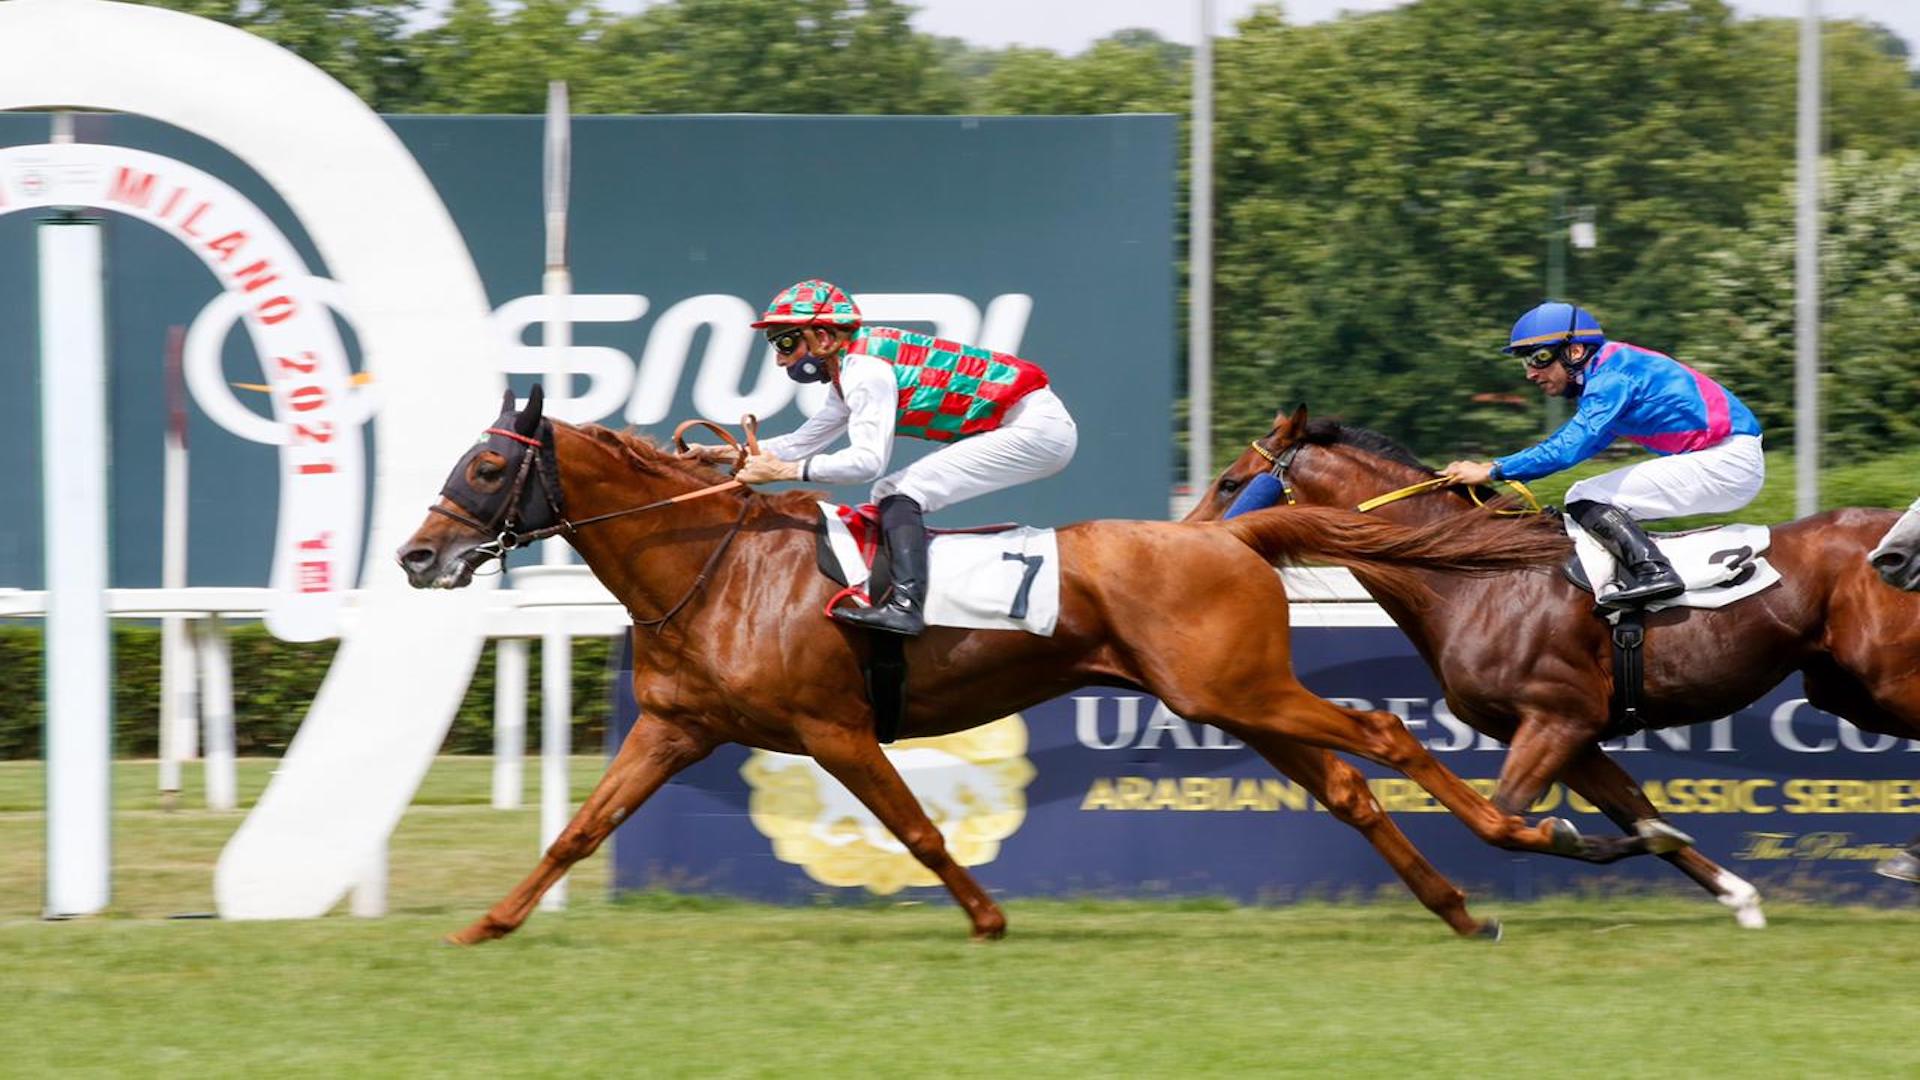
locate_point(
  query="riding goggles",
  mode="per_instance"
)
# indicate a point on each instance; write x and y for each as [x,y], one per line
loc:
[1541,357]
[785,341]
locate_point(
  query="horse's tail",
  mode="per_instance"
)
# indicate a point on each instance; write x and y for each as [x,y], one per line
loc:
[1459,544]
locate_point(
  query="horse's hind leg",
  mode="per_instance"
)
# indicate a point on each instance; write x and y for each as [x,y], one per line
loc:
[654,750]
[1295,712]
[856,760]
[1605,784]
[1343,791]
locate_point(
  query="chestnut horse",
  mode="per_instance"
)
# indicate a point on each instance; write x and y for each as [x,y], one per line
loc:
[730,644]
[1522,658]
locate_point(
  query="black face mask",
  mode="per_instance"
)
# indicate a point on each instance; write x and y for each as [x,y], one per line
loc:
[806,370]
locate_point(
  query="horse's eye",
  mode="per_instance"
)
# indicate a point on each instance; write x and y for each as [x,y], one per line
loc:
[486,470]
[1228,485]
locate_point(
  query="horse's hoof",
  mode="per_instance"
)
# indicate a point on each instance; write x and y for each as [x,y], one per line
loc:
[1743,899]
[1563,838]
[1490,931]
[1661,838]
[474,934]
[1902,867]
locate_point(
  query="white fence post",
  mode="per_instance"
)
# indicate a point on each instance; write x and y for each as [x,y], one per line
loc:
[216,676]
[509,721]
[79,669]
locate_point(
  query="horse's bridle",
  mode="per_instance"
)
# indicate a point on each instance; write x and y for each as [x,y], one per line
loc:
[1278,465]
[504,524]
[538,453]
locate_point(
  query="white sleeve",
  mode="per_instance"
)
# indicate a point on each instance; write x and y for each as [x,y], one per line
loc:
[871,407]
[813,436]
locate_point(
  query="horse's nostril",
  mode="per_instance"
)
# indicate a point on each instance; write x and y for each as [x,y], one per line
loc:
[417,558]
[1889,560]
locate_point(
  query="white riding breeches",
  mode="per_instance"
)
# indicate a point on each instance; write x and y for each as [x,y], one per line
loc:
[1723,477]
[1036,439]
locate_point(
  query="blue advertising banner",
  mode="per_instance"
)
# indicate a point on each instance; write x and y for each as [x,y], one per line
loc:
[1106,792]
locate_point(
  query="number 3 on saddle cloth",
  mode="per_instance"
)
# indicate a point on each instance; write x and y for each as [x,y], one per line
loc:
[998,577]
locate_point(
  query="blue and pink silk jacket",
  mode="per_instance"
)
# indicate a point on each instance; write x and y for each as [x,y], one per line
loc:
[1645,396]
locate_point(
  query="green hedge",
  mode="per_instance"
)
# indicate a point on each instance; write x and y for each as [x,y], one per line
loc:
[273,683]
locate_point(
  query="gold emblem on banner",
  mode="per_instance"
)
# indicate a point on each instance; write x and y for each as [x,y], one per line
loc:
[973,785]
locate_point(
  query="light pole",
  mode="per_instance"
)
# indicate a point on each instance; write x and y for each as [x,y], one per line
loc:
[1575,227]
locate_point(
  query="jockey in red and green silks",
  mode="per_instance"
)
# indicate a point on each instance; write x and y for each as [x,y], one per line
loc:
[1001,422]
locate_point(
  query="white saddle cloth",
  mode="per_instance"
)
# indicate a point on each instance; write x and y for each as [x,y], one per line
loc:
[1006,580]
[1719,565]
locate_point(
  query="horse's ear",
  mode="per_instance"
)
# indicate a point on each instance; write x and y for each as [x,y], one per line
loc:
[507,402]
[1298,422]
[529,421]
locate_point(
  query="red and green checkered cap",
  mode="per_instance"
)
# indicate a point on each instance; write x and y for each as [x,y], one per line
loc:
[810,303]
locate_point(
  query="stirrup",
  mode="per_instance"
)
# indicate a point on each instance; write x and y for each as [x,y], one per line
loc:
[892,617]
[1663,586]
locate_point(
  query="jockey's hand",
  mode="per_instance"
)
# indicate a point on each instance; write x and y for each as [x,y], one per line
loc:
[710,455]
[1469,473]
[765,469]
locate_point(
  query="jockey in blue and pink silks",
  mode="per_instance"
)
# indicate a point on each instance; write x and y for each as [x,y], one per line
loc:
[1709,442]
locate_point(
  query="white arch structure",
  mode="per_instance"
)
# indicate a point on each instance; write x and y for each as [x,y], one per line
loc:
[421,313]
[291,324]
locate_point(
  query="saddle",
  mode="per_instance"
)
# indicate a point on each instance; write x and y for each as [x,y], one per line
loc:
[991,577]
[1720,564]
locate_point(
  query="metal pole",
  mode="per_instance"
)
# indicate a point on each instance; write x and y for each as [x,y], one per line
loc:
[1557,286]
[1200,263]
[556,645]
[178,709]
[1806,275]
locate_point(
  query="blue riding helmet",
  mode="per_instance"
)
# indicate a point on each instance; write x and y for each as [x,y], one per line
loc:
[1554,323]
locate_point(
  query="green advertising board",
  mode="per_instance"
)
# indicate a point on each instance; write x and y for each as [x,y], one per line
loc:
[1051,237]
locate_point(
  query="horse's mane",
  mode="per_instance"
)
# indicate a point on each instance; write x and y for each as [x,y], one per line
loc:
[649,457]
[1335,433]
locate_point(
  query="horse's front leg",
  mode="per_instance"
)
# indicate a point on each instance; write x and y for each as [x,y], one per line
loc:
[1343,791]
[654,751]
[856,760]
[1606,785]
[1543,746]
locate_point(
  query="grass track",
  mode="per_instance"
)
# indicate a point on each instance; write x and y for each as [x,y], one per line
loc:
[678,986]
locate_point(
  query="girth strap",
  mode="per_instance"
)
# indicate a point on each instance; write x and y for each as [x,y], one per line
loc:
[1629,675]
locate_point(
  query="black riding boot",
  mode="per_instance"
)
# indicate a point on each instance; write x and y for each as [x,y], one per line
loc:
[1649,575]
[906,537]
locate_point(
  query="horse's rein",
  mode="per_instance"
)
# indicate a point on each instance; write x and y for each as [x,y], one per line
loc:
[1278,470]
[748,423]
[1438,482]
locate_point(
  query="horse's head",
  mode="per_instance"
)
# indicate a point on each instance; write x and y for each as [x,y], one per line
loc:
[1259,477]
[504,492]
[1321,463]
[1897,558]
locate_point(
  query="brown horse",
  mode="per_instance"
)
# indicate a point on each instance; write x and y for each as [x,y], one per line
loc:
[730,644]
[1522,658]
